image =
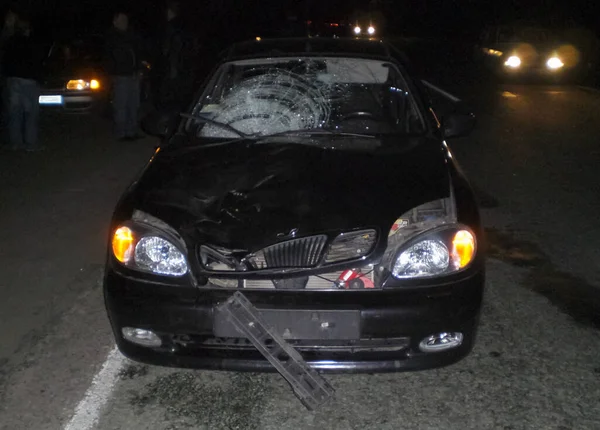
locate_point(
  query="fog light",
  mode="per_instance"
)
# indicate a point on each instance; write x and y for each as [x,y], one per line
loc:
[140,336]
[441,342]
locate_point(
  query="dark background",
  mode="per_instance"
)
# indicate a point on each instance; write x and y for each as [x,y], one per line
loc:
[224,21]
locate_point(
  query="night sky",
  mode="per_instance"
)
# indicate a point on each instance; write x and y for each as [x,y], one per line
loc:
[231,20]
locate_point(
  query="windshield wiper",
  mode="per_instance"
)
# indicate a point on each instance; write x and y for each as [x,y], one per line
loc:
[314,131]
[257,138]
[217,124]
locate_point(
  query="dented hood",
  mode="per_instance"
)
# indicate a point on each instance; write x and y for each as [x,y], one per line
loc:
[244,196]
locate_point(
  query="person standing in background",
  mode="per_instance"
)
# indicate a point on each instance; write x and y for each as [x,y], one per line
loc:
[123,64]
[23,65]
[177,63]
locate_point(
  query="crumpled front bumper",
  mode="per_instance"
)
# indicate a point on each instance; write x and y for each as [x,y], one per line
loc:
[392,324]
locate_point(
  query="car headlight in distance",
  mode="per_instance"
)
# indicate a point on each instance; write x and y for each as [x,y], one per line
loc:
[357,30]
[371,30]
[436,253]
[493,52]
[554,63]
[148,253]
[513,62]
[83,84]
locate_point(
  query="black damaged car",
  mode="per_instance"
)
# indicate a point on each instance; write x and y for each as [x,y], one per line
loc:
[313,176]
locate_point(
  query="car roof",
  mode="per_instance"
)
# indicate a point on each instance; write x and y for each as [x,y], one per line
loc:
[314,46]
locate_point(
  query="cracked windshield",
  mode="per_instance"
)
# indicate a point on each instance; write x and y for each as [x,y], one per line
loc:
[258,98]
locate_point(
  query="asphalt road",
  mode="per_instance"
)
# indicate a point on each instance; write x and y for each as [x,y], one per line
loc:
[534,162]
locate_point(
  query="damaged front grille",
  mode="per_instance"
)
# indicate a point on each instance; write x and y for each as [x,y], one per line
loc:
[302,253]
[296,253]
[361,279]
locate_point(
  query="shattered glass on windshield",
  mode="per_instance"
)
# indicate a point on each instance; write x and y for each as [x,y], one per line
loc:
[264,97]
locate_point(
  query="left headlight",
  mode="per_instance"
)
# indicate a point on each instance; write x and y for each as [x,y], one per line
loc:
[429,241]
[146,251]
[436,253]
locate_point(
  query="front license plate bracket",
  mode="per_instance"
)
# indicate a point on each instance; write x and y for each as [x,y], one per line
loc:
[308,385]
[301,324]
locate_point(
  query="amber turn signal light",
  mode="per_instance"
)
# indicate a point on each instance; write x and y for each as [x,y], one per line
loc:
[463,248]
[122,244]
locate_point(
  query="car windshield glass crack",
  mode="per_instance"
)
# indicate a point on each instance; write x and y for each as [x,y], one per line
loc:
[279,96]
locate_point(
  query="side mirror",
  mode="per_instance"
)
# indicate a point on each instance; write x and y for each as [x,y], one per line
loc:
[458,124]
[159,124]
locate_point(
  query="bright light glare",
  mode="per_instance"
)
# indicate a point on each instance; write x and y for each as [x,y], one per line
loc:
[554,63]
[513,61]
[94,84]
[357,30]
[463,248]
[371,30]
[122,244]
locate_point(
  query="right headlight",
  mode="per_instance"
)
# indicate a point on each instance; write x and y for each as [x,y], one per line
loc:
[157,255]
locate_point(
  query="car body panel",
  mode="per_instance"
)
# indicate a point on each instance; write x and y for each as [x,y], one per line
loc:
[249,194]
[397,318]
[212,195]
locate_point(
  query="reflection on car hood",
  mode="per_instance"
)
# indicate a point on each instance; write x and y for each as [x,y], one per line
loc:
[243,196]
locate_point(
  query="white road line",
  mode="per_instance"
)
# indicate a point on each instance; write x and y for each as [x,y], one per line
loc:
[97,395]
[446,94]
